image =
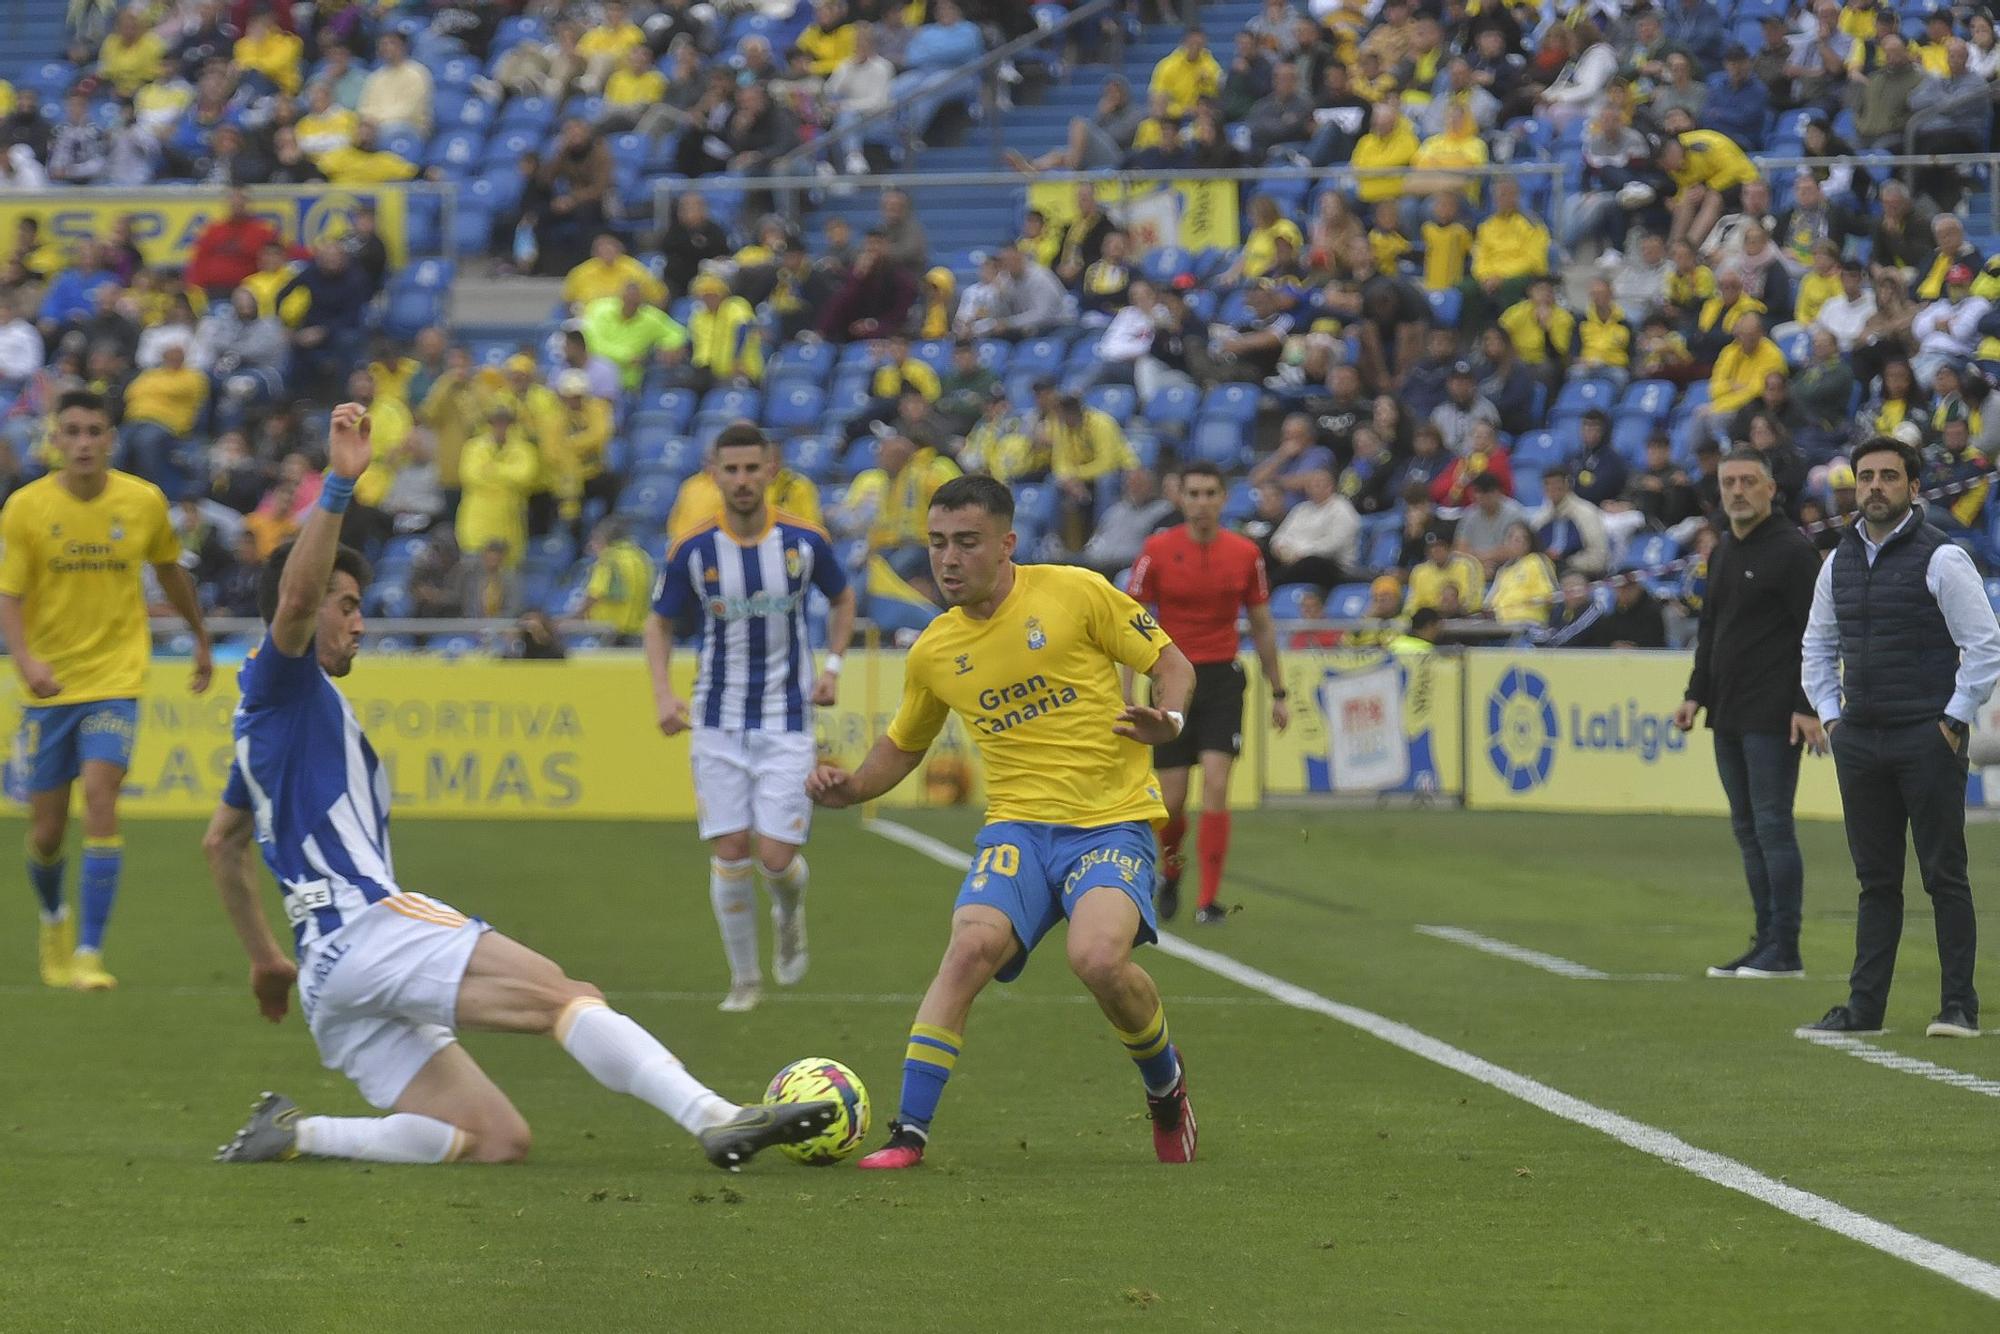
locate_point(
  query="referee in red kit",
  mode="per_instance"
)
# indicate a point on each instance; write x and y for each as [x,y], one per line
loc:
[1197,577]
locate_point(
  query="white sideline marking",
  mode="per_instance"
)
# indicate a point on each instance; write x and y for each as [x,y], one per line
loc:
[1965,1270]
[1548,963]
[771,996]
[1908,1065]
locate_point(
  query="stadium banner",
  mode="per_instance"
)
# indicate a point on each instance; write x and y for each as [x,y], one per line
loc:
[483,739]
[166,221]
[1363,720]
[1192,214]
[1592,731]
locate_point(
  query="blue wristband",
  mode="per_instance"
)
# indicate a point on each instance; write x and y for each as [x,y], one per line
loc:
[335,492]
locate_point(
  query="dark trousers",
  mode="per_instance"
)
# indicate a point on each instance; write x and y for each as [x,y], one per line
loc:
[1892,779]
[1760,776]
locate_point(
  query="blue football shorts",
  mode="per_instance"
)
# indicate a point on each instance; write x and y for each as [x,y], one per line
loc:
[1036,873]
[57,739]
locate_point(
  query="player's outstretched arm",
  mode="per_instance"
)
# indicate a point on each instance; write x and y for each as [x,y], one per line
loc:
[1264,634]
[227,846]
[178,585]
[310,566]
[886,765]
[839,632]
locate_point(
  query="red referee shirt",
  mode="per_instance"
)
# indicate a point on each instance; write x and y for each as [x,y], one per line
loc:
[1198,588]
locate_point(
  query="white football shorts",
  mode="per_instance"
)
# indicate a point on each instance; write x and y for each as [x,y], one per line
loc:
[753,779]
[381,994]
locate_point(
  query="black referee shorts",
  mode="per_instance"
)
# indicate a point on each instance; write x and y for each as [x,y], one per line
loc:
[1214,717]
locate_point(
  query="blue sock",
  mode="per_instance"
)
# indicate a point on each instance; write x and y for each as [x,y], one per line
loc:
[47,879]
[927,1064]
[103,861]
[1159,1064]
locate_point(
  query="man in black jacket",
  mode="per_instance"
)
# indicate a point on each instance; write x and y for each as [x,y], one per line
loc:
[1746,674]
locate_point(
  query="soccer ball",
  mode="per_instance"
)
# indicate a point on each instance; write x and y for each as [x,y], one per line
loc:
[817,1079]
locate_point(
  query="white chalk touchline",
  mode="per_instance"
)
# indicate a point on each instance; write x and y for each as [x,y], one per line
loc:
[1968,1271]
[1908,1065]
[1548,963]
[781,997]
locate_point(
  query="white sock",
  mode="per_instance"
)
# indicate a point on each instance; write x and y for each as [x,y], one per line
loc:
[732,889]
[788,886]
[402,1138]
[625,1058]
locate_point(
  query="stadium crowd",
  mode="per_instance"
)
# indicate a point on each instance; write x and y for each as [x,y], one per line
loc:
[1429,393]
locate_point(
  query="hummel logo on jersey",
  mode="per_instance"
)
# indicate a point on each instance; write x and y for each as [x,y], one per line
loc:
[964,664]
[1145,625]
[1036,639]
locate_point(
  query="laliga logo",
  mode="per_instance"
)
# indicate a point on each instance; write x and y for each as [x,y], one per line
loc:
[1522,731]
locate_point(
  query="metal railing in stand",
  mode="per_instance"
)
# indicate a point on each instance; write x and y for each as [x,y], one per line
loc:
[1902,164]
[1343,176]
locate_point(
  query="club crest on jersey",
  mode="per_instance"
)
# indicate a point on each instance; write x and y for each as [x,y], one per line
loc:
[117,531]
[792,563]
[963,662]
[1036,639]
[711,576]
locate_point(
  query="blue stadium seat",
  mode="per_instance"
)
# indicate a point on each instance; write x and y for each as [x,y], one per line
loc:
[1174,406]
[1238,503]
[1347,602]
[1538,449]
[473,229]
[673,406]
[1581,395]
[409,310]
[1164,264]
[1445,307]
[1145,447]
[555,548]
[459,152]
[420,224]
[512,32]
[1234,402]
[533,114]
[1993,593]
[506,146]
[794,406]
[1797,347]
[428,275]
[454,71]
[1037,502]
[663,452]
[1037,356]
[809,456]
[934,353]
[1285,599]
[1652,398]
[995,354]
[1220,441]
[405,143]
[1385,548]
[1629,434]
[1116,400]
[811,361]
[1528,488]
[857,356]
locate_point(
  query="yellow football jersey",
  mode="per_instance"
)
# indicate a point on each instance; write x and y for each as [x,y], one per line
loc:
[1037,684]
[77,565]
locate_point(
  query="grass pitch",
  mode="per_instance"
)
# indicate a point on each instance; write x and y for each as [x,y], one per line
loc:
[1342,1184]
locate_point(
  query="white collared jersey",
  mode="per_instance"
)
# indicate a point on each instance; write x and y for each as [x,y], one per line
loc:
[320,797]
[755,666]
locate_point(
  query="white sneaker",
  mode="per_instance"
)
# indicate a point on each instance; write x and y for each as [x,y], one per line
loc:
[788,965]
[742,997]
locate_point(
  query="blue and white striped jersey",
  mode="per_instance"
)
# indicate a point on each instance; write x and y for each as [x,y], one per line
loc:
[320,797]
[755,667]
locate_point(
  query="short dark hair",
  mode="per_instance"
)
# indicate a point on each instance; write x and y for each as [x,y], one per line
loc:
[87,399]
[740,432]
[1913,462]
[1745,454]
[1203,468]
[346,560]
[1425,617]
[1485,482]
[976,491]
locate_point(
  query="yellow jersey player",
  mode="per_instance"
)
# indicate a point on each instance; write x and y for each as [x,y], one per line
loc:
[73,610]
[1028,656]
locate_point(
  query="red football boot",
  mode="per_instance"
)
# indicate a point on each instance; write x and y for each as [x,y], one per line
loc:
[1174,1131]
[904,1149]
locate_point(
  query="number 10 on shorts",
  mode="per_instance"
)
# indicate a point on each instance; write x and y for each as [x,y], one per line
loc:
[1000,859]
